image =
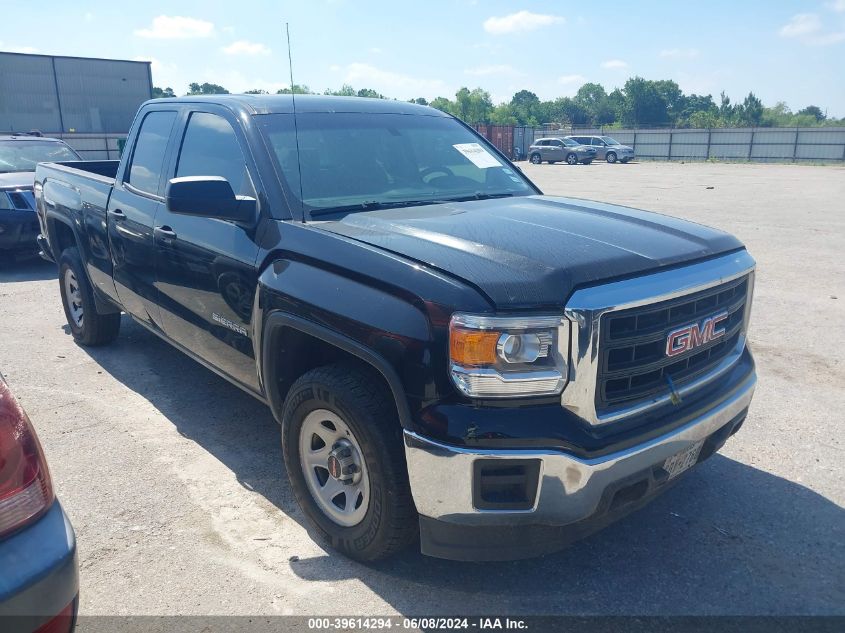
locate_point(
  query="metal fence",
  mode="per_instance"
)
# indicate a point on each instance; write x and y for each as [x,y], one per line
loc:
[752,144]
[95,146]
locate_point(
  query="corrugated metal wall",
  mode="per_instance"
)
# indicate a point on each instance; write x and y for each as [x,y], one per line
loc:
[754,144]
[70,94]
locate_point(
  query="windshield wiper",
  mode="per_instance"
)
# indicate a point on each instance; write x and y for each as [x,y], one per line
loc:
[377,205]
[372,205]
[480,195]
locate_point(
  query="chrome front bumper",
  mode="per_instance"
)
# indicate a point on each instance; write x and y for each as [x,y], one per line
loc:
[570,488]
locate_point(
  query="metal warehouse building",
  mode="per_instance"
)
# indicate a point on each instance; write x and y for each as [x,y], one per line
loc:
[65,96]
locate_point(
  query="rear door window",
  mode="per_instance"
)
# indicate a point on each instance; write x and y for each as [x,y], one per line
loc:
[150,147]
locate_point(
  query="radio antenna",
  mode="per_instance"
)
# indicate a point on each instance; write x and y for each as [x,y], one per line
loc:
[295,127]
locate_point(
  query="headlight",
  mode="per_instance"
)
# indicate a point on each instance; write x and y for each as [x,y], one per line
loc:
[508,357]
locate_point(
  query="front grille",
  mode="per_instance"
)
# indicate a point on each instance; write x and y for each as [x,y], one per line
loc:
[633,364]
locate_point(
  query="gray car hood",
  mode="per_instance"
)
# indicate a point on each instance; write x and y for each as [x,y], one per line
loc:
[534,250]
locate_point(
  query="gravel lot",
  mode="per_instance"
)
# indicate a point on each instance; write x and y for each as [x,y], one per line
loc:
[174,481]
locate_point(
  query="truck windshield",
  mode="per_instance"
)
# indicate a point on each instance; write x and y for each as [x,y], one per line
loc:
[25,155]
[362,161]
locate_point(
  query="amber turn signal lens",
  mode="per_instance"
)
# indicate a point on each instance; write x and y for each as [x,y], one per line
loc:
[472,347]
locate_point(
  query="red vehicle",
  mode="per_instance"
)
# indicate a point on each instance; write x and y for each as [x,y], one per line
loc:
[39,578]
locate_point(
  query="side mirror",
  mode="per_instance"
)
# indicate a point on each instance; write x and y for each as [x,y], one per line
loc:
[210,197]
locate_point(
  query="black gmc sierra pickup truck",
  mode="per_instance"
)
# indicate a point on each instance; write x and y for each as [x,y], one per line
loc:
[452,356]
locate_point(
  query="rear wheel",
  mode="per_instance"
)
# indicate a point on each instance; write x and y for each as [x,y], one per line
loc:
[345,458]
[535,159]
[87,326]
[571,159]
[611,157]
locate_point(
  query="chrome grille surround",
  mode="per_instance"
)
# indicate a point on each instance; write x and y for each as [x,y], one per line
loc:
[587,306]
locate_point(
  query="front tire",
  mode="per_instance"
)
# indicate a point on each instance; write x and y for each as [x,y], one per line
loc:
[535,159]
[345,458]
[87,326]
[611,157]
[571,159]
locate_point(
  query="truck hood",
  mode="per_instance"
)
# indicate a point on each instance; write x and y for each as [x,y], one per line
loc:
[17,180]
[534,250]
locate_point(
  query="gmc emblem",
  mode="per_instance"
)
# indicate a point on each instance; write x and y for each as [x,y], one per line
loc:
[690,336]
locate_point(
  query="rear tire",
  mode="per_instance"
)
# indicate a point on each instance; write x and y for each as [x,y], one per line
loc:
[535,159]
[87,326]
[611,157]
[347,408]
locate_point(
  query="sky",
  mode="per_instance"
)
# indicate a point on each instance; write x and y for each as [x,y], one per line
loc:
[782,50]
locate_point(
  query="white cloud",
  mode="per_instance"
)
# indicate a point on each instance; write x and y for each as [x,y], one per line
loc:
[808,28]
[614,64]
[245,47]
[571,79]
[164,74]
[519,22]
[29,50]
[836,5]
[175,27]
[391,83]
[375,50]
[484,71]
[680,53]
[801,25]
[826,39]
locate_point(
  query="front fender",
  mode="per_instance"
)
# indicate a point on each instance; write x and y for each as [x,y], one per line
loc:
[385,329]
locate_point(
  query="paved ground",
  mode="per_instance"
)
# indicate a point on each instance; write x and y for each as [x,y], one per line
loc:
[173,478]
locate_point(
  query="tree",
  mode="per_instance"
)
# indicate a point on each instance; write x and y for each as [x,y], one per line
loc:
[443,104]
[592,98]
[473,106]
[370,93]
[525,106]
[256,91]
[419,101]
[644,105]
[206,89]
[345,91]
[751,111]
[297,89]
[813,111]
[158,93]
[673,96]
[503,115]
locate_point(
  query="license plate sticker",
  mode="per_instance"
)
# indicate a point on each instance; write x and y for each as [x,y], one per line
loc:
[682,461]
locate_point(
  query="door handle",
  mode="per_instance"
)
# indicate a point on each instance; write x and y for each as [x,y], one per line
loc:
[165,232]
[118,215]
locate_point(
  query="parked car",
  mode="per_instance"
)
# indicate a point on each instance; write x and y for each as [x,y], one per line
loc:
[39,582]
[450,354]
[607,148]
[555,150]
[18,156]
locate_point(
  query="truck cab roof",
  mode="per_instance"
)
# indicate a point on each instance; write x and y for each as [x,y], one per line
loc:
[284,104]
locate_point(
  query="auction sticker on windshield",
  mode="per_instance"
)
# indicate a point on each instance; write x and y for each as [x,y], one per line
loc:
[479,156]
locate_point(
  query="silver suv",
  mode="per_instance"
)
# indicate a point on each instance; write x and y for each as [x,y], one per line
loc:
[606,147]
[555,150]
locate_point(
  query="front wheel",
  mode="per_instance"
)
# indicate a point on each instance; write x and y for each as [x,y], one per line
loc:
[345,458]
[87,326]
[535,159]
[571,159]
[611,157]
